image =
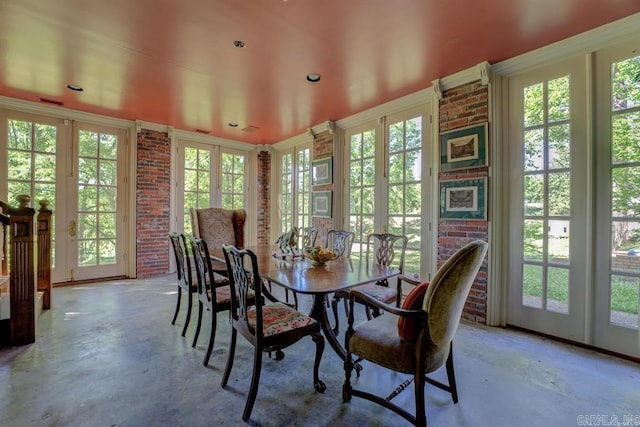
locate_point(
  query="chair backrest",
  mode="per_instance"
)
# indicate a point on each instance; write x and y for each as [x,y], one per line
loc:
[448,291]
[179,253]
[307,237]
[340,241]
[383,247]
[219,226]
[202,262]
[242,278]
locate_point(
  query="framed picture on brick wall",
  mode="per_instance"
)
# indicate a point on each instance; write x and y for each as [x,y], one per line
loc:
[463,199]
[322,171]
[321,204]
[464,148]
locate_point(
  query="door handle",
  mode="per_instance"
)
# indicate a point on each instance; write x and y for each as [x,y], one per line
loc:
[72,228]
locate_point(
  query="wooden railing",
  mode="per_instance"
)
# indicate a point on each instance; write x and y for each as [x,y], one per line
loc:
[27,271]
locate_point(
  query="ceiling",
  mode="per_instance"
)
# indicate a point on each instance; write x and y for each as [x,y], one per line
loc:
[174,62]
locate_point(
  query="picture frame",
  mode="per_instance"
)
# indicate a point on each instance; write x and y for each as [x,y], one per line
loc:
[464,199]
[321,204]
[464,148]
[322,171]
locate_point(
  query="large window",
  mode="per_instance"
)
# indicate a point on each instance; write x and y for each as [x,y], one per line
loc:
[294,204]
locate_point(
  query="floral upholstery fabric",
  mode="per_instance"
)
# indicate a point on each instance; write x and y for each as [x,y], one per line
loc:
[278,318]
[218,226]
[381,293]
[223,295]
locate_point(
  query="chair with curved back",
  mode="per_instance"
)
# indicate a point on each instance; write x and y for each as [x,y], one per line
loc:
[268,327]
[214,298]
[184,279]
[382,249]
[307,237]
[340,241]
[416,339]
[217,227]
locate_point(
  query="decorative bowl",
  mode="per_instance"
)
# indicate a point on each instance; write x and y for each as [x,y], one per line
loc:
[319,255]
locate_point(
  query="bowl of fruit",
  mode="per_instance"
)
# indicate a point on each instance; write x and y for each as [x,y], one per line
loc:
[319,255]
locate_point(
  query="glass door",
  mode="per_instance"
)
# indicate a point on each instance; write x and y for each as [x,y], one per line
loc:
[82,175]
[617,289]
[549,213]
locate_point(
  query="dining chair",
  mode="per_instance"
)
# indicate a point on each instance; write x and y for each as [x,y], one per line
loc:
[217,227]
[268,327]
[184,279]
[307,237]
[382,249]
[214,294]
[416,339]
[340,241]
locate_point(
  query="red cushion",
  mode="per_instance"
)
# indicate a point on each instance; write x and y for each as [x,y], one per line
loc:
[407,327]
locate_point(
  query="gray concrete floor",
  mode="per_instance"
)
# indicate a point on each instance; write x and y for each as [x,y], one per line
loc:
[107,355]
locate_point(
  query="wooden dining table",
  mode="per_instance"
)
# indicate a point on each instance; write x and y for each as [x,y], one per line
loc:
[296,273]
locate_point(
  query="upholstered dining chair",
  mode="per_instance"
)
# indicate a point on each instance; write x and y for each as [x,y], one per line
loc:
[382,249]
[214,294]
[418,338]
[217,227]
[267,327]
[184,279]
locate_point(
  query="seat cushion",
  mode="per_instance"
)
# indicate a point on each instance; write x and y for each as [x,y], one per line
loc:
[278,318]
[381,293]
[407,326]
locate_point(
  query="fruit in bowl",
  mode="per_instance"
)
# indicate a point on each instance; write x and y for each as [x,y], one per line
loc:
[319,255]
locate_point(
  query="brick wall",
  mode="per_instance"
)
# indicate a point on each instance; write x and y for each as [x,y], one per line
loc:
[461,107]
[264,197]
[152,203]
[323,148]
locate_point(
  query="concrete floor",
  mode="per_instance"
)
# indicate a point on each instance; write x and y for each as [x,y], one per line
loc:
[107,355]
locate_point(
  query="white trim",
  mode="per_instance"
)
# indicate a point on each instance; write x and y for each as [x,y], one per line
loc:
[62,113]
[303,138]
[589,41]
[194,136]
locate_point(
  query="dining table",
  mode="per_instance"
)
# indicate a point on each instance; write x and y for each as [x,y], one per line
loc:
[295,272]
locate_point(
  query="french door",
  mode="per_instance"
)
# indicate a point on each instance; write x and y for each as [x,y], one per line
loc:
[388,183]
[208,175]
[574,266]
[81,170]
[617,271]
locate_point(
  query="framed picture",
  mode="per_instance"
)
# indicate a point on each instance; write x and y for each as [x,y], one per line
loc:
[321,204]
[463,199]
[464,148]
[322,171]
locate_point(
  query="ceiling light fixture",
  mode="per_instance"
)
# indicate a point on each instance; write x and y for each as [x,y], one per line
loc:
[313,77]
[238,43]
[233,124]
[75,88]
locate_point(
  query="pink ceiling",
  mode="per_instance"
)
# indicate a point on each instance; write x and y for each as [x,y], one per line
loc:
[173,62]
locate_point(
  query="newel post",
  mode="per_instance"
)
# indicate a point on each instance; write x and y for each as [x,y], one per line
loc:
[22,273]
[44,253]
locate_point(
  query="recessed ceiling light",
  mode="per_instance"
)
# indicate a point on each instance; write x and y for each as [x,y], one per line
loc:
[238,43]
[75,87]
[313,77]
[233,124]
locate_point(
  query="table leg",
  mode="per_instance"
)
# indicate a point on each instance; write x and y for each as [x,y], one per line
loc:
[319,312]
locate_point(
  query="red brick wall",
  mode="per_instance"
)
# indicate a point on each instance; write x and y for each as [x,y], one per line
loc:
[461,107]
[323,148]
[264,197]
[152,203]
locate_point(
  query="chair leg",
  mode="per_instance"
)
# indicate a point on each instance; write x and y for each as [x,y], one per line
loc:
[451,376]
[189,306]
[346,387]
[421,415]
[334,308]
[175,315]
[197,334]
[232,352]
[212,338]
[317,384]
[255,382]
